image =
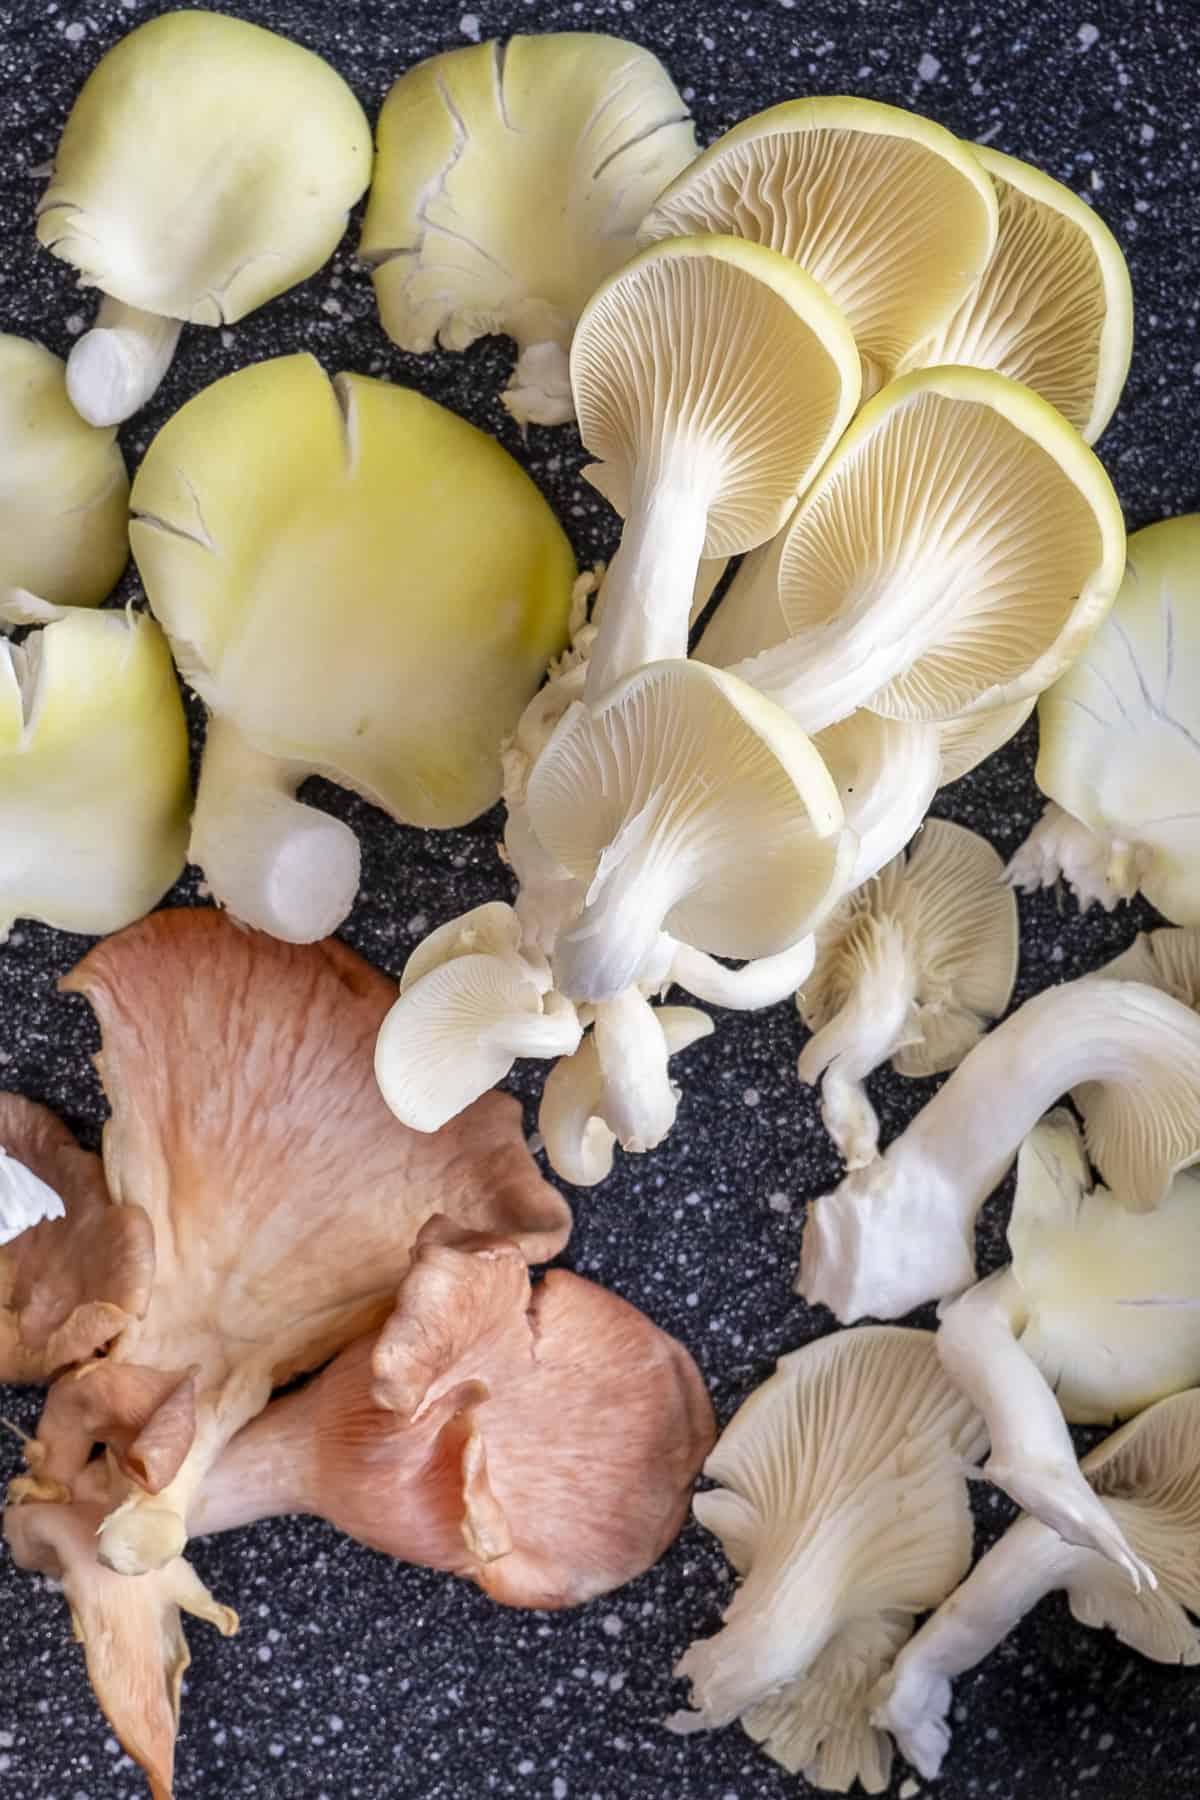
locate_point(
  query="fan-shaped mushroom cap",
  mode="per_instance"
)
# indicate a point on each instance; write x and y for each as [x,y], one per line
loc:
[71,1283]
[957,550]
[1053,308]
[510,179]
[711,378]
[188,209]
[1168,959]
[489,930]
[689,805]
[912,966]
[63,491]
[889,212]
[843,1507]
[1120,740]
[94,792]
[306,546]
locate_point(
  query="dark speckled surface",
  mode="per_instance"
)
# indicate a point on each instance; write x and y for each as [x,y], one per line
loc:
[356,1678]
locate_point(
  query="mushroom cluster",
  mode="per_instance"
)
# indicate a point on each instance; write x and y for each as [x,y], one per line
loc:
[867,362]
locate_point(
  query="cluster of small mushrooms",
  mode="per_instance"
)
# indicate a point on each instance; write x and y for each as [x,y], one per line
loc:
[869,360]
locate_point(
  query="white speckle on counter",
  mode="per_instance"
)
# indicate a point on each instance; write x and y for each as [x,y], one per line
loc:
[779,1202]
[751,1096]
[929,68]
[1147,134]
[75,32]
[469,26]
[611,1625]
[908,1789]
[1087,35]
[559,1788]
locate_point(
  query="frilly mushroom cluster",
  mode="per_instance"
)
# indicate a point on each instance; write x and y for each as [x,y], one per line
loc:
[260,1215]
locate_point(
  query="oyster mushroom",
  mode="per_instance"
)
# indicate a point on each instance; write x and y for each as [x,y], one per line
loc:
[1168,959]
[71,1283]
[64,537]
[842,1506]
[890,213]
[94,785]
[340,612]
[510,179]
[911,967]
[206,166]
[284,1197]
[711,379]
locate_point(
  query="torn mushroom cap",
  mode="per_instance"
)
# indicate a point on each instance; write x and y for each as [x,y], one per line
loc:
[490,1431]
[958,548]
[1054,306]
[131,1631]
[1119,741]
[688,804]
[288,1196]
[901,1230]
[71,1283]
[890,213]
[616,1088]
[842,1505]
[305,544]
[1168,959]
[182,209]
[1149,1474]
[711,379]
[911,966]
[94,790]
[63,490]
[509,181]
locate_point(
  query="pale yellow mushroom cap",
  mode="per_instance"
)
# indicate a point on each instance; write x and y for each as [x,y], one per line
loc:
[206,166]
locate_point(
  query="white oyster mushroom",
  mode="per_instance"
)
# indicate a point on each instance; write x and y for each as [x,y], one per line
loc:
[711,379]
[912,966]
[489,930]
[901,1230]
[842,1505]
[1119,754]
[615,1088]
[886,772]
[1148,1473]
[25,1199]
[206,166]
[64,495]
[1097,1317]
[685,804]
[510,180]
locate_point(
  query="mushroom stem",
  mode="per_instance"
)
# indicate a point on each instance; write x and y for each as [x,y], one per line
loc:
[913,1699]
[820,677]
[117,365]
[616,932]
[900,1231]
[539,388]
[554,1031]
[275,863]
[266,1470]
[763,982]
[639,1099]
[1032,1457]
[646,599]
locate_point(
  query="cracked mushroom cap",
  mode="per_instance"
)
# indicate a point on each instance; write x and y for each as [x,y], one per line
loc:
[63,490]
[888,211]
[206,166]
[689,805]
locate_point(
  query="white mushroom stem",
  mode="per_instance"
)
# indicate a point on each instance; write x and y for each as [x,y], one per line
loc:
[116,366]
[900,1231]
[275,863]
[764,982]
[612,942]
[647,593]
[874,1022]
[1032,1457]
[821,677]
[913,1700]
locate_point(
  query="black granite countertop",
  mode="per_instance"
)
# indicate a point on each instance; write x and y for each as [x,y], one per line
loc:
[353,1677]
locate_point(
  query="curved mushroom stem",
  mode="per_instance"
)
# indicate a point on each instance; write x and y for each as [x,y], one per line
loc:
[913,1699]
[275,863]
[554,1031]
[821,677]
[764,982]
[539,388]
[1098,869]
[1032,1457]
[117,365]
[614,939]
[639,1099]
[874,1021]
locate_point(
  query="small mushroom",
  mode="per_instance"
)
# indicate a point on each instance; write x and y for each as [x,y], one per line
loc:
[1148,1473]
[285,1199]
[510,179]
[842,1506]
[711,379]
[71,1283]
[94,788]
[206,166]
[912,966]
[684,803]
[64,535]
[888,211]
[342,609]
